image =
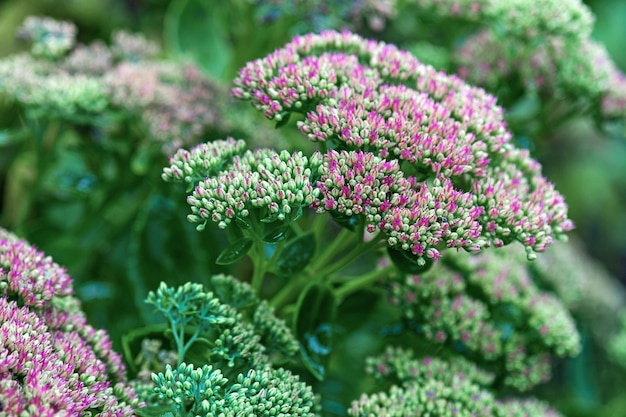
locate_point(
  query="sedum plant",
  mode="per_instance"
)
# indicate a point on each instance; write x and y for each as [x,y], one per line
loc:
[414,169]
[52,362]
[380,253]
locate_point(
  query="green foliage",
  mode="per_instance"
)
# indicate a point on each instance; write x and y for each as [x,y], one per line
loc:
[206,327]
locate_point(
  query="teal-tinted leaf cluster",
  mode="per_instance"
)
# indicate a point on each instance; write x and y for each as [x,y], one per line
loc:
[207,392]
[225,325]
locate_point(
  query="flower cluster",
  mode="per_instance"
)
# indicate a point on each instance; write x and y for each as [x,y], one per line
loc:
[470,186]
[544,46]
[317,15]
[554,66]
[492,310]
[263,185]
[519,18]
[614,98]
[431,386]
[472,10]
[240,336]
[206,392]
[529,19]
[51,360]
[202,161]
[241,329]
[50,38]
[33,84]
[583,285]
[175,102]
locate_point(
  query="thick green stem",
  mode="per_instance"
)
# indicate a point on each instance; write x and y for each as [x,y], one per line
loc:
[355,253]
[344,239]
[288,292]
[362,281]
[260,266]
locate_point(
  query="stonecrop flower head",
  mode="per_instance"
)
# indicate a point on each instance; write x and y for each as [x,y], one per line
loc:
[580,68]
[239,336]
[489,308]
[173,102]
[51,39]
[240,329]
[519,18]
[233,185]
[316,15]
[464,184]
[431,386]
[52,362]
[206,392]
[583,285]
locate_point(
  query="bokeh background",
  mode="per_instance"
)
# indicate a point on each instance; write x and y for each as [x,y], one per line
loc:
[588,167]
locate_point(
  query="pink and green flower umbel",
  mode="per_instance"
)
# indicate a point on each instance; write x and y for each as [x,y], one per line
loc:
[52,362]
[464,182]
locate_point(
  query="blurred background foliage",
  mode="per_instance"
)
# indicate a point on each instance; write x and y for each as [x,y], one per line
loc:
[100,208]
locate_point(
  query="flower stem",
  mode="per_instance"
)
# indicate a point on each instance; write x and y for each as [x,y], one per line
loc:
[362,281]
[260,266]
[350,257]
[342,240]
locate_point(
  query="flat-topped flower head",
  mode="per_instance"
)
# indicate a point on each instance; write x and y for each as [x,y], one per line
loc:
[132,47]
[530,19]
[29,276]
[491,308]
[50,38]
[398,364]
[472,10]
[579,67]
[475,189]
[263,184]
[202,161]
[327,14]
[614,100]
[52,361]
[205,391]
[431,386]
[526,407]
[175,101]
[518,18]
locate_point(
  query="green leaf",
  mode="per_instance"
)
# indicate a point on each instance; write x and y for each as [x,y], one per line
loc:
[296,255]
[313,327]
[154,411]
[243,222]
[237,250]
[141,161]
[276,234]
[407,262]
[11,137]
[284,119]
[131,342]
[349,222]
[161,244]
[199,30]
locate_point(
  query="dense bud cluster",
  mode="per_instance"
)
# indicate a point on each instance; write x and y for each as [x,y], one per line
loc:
[259,392]
[240,329]
[175,103]
[51,360]
[468,186]
[50,38]
[434,387]
[493,310]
